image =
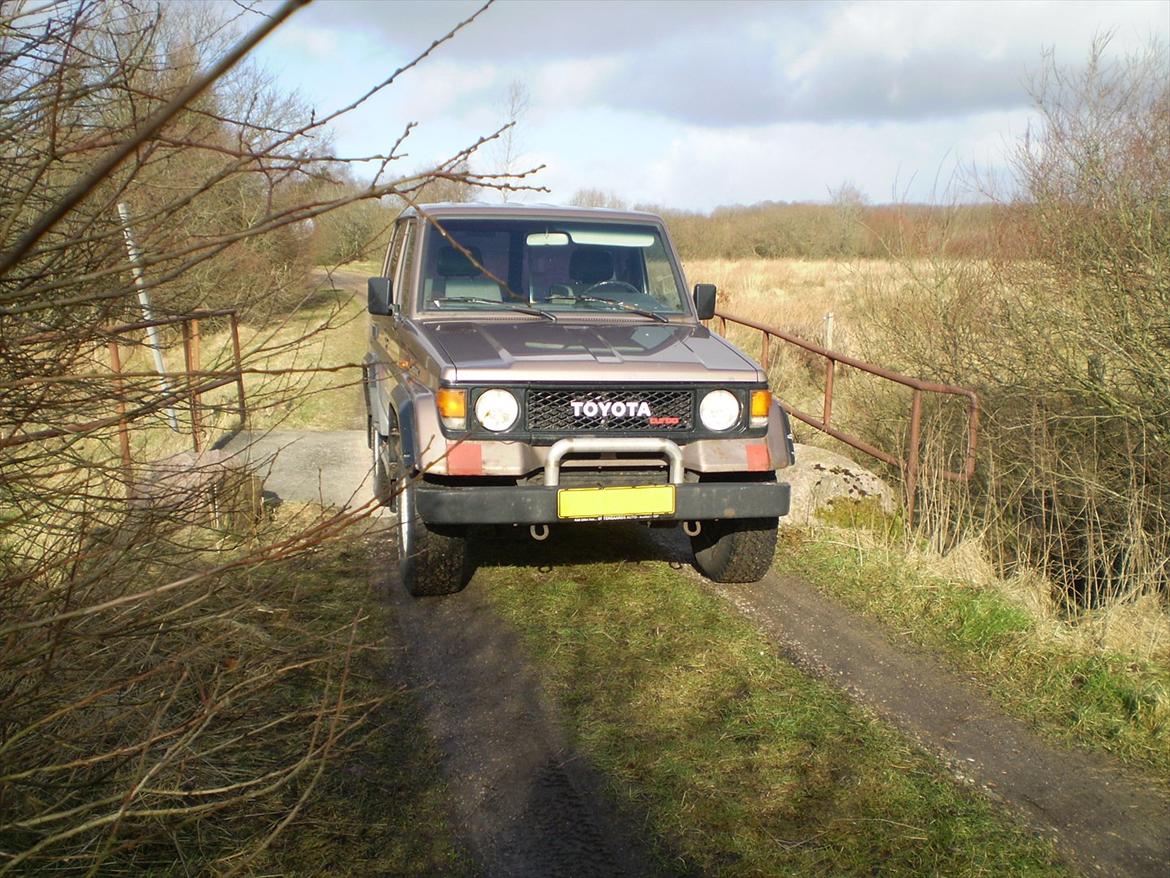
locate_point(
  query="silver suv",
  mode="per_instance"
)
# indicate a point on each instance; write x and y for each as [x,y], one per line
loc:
[534,365]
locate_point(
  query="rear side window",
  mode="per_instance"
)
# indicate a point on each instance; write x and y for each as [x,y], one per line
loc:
[390,265]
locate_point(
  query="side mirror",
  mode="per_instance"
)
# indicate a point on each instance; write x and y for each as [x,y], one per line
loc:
[378,296]
[705,300]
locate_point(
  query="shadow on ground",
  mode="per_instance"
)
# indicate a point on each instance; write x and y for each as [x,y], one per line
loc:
[571,545]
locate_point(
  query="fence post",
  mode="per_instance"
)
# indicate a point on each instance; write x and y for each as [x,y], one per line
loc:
[830,372]
[239,368]
[829,330]
[189,363]
[120,392]
[912,456]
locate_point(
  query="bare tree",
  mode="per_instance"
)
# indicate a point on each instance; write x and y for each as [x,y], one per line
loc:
[1066,340]
[508,146]
[597,198]
[138,651]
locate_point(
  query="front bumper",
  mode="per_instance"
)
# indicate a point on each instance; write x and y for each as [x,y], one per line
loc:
[537,504]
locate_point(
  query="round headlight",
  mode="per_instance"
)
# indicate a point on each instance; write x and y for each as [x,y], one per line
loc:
[496,409]
[719,410]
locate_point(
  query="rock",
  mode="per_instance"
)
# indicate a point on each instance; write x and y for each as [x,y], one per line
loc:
[195,486]
[820,477]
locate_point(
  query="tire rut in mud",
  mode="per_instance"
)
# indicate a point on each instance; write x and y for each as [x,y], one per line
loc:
[1107,821]
[524,802]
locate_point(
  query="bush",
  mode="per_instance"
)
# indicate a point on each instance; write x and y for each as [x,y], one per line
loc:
[1067,344]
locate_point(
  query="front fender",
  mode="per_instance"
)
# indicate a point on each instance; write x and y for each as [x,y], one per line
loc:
[781,448]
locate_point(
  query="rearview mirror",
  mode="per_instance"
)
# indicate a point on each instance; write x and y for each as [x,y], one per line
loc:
[705,300]
[378,293]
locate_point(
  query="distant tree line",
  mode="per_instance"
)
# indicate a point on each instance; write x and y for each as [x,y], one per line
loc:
[782,230]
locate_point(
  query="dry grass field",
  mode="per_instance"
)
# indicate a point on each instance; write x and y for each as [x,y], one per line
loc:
[795,295]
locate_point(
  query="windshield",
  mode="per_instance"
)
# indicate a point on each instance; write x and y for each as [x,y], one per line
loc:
[559,268]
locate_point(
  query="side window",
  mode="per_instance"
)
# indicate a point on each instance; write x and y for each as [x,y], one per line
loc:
[406,260]
[390,264]
[660,276]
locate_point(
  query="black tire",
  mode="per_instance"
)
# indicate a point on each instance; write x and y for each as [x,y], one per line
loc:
[735,550]
[431,560]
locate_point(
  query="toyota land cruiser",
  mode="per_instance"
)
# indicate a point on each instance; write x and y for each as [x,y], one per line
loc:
[534,365]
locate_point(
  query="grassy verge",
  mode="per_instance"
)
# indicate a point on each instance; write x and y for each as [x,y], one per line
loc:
[380,810]
[246,723]
[335,328]
[742,764]
[1095,698]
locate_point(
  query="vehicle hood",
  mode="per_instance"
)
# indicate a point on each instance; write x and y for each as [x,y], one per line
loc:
[571,352]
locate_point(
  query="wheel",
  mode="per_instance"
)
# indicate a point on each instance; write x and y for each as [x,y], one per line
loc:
[735,550]
[431,560]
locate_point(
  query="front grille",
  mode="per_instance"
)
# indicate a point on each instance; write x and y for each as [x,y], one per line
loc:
[629,410]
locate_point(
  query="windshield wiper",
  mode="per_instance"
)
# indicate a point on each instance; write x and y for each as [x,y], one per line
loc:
[513,306]
[633,309]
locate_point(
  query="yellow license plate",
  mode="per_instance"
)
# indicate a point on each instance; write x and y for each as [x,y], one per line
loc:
[632,502]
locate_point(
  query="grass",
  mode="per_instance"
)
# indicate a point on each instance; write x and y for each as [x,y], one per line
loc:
[741,764]
[381,810]
[336,327]
[1068,686]
[327,333]
[263,695]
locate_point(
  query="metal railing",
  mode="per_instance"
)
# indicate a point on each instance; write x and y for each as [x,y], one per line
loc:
[194,382]
[909,460]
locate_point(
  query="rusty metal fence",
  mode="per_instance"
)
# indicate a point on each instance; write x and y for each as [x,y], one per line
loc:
[194,382]
[908,460]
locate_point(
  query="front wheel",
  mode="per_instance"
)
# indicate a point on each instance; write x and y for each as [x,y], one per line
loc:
[431,560]
[735,550]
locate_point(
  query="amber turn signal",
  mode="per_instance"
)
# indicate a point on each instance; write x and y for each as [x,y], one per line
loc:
[761,402]
[453,408]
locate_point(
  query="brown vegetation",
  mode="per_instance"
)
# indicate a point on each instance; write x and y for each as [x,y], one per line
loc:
[152,675]
[1067,346]
[1064,334]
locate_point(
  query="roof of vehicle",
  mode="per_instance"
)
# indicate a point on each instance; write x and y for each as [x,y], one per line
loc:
[482,209]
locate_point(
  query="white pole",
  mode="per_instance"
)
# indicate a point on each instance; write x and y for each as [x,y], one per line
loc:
[144,301]
[829,330]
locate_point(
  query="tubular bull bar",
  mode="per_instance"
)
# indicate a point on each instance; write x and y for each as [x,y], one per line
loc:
[538,504]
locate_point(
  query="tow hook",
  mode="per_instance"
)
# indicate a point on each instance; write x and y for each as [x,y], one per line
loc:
[538,532]
[692,528]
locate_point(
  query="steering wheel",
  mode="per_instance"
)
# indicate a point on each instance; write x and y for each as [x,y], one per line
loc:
[610,283]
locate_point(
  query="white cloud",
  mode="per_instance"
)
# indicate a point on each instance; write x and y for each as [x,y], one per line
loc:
[698,104]
[317,42]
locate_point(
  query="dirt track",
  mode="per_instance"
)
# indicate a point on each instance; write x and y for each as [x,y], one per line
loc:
[530,806]
[525,802]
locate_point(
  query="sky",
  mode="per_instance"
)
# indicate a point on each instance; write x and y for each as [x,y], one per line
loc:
[691,104]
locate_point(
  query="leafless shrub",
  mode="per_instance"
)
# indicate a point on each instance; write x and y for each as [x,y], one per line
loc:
[1067,344]
[151,676]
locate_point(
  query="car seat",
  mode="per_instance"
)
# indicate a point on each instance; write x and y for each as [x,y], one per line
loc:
[461,278]
[589,266]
